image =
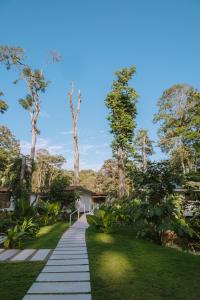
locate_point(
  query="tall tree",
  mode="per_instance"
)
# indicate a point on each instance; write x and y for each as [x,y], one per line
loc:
[75,114]
[121,102]
[36,84]
[107,179]
[88,179]
[173,116]
[143,146]
[47,168]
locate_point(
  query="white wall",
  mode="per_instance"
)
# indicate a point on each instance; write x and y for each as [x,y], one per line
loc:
[84,200]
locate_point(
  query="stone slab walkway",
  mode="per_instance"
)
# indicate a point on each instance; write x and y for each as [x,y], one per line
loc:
[66,275]
[24,255]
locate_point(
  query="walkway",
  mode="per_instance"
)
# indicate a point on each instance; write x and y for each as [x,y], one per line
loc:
[66,274]
[24,255]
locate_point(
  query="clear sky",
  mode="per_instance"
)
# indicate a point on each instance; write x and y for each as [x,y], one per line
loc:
[96,38]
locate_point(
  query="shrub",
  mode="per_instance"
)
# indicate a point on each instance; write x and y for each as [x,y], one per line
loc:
[102,221]
[15,236]
[49,213]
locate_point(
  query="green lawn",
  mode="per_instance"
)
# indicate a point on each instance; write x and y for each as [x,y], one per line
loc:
[123,268]
[16,278]
[47,237]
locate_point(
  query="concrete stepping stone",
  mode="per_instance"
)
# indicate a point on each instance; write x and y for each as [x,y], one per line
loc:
[67,262]
[23,255]
[58,297]
[59,269]
[68,256]
[71,248]
[71,245]
[8,254]
[56,277]
[59,287]
[65,251]
[40,255]
[66,274]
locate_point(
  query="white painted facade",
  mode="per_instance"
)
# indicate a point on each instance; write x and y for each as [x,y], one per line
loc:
[84,203]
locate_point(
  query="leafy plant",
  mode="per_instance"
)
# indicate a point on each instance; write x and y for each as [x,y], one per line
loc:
[14,238]
[102,221]
[16,235]
[49,212]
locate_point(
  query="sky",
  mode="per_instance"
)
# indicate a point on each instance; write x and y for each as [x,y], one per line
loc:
[95,39]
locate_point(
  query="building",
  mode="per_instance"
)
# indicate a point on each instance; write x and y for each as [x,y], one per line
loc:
[87,200]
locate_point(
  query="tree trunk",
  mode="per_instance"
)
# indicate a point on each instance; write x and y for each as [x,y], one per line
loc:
[76,158]
[121,169]
[144,157]
[75,133]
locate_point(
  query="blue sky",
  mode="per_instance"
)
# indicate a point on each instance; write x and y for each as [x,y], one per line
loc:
[96,38]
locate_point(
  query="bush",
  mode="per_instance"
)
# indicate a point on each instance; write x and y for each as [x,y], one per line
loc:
[102,221]
[48,213]
[15,236]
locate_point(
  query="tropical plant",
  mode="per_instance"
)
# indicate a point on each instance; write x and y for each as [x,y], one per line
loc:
[101,221]
[49,212]
[14,238]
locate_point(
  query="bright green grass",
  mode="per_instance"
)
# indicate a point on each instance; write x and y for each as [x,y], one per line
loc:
[123,268]
[47,237]
[16,278]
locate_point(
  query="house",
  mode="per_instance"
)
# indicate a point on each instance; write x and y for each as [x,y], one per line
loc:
[6,200]
[87,200]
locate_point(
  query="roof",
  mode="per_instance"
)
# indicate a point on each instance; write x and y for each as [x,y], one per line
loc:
[79,188]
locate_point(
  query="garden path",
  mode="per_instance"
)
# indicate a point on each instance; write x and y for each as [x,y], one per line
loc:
[66,274]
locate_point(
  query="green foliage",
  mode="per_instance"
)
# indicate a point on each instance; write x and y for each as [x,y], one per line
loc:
[178,115]
[121,104]
[58,189]
[102,221]
[16,235]
[11,56]
[3,105]
[23,209]
[143,148]
[107,178]
[12,164]
[47,168]
[159,180]
[49,213]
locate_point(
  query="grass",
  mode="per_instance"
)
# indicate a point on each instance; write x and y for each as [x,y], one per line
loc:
[16,278]
[47,237]
[123,268]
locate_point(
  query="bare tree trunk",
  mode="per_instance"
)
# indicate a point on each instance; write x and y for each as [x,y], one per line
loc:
[75,133]
[23,166]
[121,168]
[34,117]
[144,157]
[76,158]
[33,140]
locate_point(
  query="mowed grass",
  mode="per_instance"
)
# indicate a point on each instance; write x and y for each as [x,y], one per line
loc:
[47,237]
[124,268]
[16,278]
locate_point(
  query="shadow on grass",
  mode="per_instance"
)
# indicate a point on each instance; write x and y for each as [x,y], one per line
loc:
[125,268]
